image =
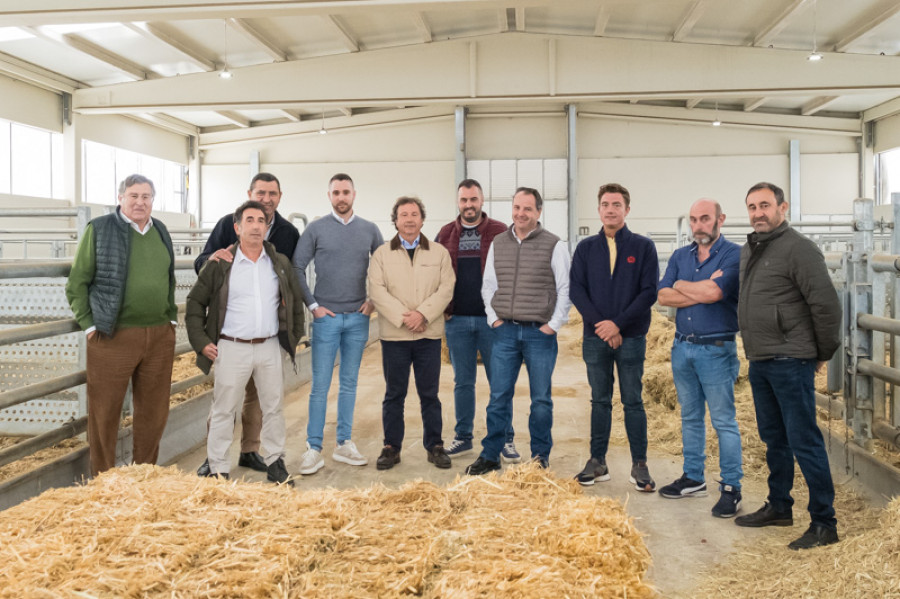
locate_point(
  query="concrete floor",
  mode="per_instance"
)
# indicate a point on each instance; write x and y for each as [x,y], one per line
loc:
[682,536]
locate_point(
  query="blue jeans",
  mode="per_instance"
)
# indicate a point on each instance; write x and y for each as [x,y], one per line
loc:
[424,355]
[785,401]
[628,359]
[705,375]
[347,333]
[466,337]
[513,344]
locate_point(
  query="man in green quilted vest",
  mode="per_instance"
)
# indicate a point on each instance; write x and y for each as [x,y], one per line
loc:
[122,292]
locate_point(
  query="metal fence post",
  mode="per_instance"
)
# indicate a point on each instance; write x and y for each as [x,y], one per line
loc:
[859,287]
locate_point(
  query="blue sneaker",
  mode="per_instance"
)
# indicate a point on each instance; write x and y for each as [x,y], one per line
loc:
[509,454]
[458,447]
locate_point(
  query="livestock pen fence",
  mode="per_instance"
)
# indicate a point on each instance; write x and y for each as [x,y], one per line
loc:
[42,350]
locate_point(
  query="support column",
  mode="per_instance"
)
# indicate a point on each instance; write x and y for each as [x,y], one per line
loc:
[459,151]
[860,387]
[572,183]
[794,158]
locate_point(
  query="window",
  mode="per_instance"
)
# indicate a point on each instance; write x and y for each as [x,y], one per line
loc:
[888,168]
[30,161]
[106,166]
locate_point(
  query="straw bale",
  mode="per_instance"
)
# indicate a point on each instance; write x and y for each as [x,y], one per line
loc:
[865,563]
[146,531]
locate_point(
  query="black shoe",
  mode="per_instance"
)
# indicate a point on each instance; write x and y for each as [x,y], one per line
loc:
[277,473]
[482,466]
[729,502]
[203,470]
[815,536]
[389,456]
[542,462]
[684,487]
[223,475]
[252,460]
[766,516]
[438,456]
[595,470]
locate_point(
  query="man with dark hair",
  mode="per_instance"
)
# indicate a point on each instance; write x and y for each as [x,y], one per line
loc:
[411,282]
[701,280]
[339,245]
[265,189]
[468,239]
[122,291]
[526,299]
[613,286]
[790,321]
[240,314]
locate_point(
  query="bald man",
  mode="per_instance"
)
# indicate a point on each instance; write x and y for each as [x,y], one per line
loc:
[702,280]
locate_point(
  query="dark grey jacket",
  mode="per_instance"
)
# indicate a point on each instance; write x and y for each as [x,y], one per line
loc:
[788,306]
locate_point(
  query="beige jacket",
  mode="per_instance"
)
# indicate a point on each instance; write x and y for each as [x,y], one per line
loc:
[398,284]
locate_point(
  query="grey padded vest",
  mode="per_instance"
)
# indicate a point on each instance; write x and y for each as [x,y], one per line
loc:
[526,287]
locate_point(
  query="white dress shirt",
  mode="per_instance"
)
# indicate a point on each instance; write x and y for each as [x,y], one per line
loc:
[253,298]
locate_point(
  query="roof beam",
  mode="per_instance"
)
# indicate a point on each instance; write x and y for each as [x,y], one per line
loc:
[243,27]
[771,31]
[603,14]
[502,21]
[84,46]
[442,73]
[849,39]
[751,105]
[154,32]
[292,115]
[346,111]
[31,73]
[694,13]
[347,38]
[520,18]
[235,118]
[692,102]
[817,104]
[423,27]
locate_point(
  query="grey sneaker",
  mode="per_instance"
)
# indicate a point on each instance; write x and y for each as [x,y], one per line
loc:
[347,453]
[311,462]
[509,454]
[595,470]
[640,476]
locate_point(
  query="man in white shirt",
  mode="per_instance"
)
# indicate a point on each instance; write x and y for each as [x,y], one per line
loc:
[263,313]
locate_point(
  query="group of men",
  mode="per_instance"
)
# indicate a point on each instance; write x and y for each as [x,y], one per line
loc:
[499,291]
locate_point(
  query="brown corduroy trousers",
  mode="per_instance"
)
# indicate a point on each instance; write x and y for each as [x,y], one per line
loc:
[144,356]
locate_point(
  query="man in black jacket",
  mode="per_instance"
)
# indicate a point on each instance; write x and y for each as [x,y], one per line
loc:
[790,317]
[265,189]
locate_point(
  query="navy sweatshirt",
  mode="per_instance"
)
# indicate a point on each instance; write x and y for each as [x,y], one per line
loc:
[626,296]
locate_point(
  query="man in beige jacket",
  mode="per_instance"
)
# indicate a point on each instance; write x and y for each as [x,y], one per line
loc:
[411,282]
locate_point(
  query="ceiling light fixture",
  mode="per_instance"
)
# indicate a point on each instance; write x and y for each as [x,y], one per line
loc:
[814,56]
[225,73]
[322,130]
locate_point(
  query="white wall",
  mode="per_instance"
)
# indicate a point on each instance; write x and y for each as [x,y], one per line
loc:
[384,162]
[665,166]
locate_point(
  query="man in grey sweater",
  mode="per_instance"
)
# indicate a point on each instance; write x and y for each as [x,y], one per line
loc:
[339,245]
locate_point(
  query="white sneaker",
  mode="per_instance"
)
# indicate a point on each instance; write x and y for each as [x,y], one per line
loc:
[347,453]
[311,462]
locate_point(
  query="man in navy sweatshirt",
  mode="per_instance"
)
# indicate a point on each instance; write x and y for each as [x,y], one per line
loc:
[613,283]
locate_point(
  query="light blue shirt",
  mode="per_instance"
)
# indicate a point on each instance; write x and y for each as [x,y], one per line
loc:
[410,246]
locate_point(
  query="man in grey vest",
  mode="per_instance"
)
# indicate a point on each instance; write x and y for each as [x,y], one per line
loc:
[526,297]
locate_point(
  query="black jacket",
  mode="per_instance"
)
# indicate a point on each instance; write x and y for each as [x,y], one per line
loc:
[788,306]
[284,237]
